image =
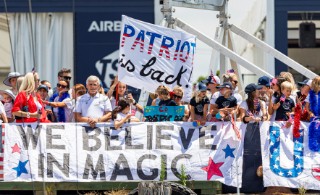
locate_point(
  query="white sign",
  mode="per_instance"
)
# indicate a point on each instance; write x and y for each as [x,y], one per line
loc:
[74,152]
[152,55]
[287,160]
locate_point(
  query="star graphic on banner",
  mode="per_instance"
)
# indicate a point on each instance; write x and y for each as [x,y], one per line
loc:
[21,168]
[213,169]
[229,151]
[16,148]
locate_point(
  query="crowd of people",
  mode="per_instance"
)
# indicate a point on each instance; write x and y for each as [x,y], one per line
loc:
[29,99]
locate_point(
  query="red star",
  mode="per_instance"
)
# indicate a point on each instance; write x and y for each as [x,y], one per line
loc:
[213,169]
[16,148]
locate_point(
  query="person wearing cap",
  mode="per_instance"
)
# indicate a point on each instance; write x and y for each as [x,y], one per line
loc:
[212,82]
[8,99]
[305,87]
[252,111]
[199,104]
[264,82]
[11,81]
[43,93]
[225,104]
[233,79]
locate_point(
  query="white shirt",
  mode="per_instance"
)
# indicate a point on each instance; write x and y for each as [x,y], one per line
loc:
[68,109]
[93,107]
[120,116]
[244,105]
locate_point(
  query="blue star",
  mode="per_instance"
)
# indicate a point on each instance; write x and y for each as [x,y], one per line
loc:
[21,168]
[229,151]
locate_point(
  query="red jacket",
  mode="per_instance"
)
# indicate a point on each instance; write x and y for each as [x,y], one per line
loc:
[21,101]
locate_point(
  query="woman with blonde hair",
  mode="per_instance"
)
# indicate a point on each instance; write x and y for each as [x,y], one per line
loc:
[199,104]
[28,106]
[288,76]
[177,97]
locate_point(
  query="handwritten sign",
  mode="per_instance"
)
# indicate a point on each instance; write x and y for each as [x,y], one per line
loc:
[163,113]
[155,55]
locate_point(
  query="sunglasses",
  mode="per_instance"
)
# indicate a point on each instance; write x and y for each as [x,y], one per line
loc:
[176,96]
[67,78]
[62,86]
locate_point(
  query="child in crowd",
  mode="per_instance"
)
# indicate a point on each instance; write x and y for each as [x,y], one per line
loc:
[264,82]
[199,104]
[8,99]
[274,94]
[157,97]
[313,99]
[121,114]
[166,100]
[225,104]
[285,104]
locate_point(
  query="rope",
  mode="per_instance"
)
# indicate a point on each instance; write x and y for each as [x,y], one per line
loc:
[12,55]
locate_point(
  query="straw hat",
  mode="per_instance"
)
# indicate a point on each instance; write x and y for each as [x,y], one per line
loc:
[11,75]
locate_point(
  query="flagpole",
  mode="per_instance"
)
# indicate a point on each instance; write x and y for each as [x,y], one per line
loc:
[237,179]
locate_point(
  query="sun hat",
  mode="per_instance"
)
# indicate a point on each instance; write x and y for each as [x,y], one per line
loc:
[11,75]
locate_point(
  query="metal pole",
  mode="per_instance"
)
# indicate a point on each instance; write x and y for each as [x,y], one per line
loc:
[221,48]
[275,53]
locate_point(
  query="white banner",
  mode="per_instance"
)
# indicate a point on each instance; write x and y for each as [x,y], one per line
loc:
[74,152]
[152,55]
[288,161]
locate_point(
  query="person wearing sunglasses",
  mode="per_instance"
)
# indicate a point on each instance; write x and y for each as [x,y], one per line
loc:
[57,101]
[233,79]
[199,104]
[274,96]
[63,74]
[177,97]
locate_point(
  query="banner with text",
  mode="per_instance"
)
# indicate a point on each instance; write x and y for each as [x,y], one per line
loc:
[71,152]
[152,55]
[288,160]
